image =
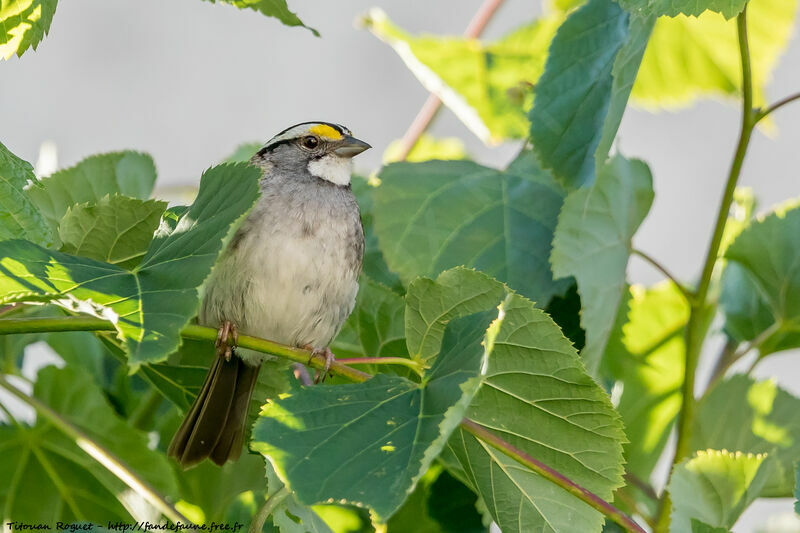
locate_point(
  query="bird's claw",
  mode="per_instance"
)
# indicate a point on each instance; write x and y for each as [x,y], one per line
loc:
[224,347]
[329,360]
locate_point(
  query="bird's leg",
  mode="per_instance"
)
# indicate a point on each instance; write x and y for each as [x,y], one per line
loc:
[224,346]
[329,359]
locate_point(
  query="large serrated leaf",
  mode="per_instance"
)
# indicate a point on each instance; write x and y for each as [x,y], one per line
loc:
[590,68]
[537,396]
[369,443]
[768,254]
[766,422]
[116,229]
[127,173]
[592,242]
[671,8]
[19,217]
[714,487]
[48,477]
[440,214]
[152,303]
[485,85]
[23,24]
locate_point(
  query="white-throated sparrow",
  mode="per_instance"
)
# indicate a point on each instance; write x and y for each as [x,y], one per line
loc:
[289,274]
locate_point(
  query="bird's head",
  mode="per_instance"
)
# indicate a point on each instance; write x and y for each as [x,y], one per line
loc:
[323,149]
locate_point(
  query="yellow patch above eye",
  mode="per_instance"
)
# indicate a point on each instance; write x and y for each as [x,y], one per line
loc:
[323,130]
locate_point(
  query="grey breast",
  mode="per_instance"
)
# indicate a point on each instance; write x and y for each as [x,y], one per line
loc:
[290,273]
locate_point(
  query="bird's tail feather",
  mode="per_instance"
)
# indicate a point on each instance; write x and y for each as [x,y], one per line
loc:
[214,425]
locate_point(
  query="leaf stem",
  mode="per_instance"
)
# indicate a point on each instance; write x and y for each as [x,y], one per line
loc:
[551,475]
[661,268]
[299,355]
[272,502]
[432,105]
[98,453]
[409,363]
[695,333]
[780,103]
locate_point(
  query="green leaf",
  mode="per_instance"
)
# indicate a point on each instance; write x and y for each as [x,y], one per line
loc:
[291,516]
[244,152]
[766,422]
[715,487]
[648,359]
[440,214]
[369,443]
[672,8]
[591,65]
[271,8]
[702,527]
[761,294]
[126,173]
[49,477]
[537,396]
[797,489]
[693,57]
[487,85]
[23,25]
[592,242]
[427,148]
[19,217]
[117,229]
[431,305]
[152,303]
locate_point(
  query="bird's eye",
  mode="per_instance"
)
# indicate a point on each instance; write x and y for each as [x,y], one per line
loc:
[310,142]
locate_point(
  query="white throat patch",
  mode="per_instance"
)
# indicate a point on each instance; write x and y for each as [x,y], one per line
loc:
[332,168]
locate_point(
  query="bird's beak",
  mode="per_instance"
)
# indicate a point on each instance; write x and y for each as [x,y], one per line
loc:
[350,146]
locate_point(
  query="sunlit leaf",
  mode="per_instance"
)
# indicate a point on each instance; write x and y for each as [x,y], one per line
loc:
[537,396]
[761,284]
[271,8]
[593,240]
[426,148]
[436,215]
[152,303]
[19,217]
[487,85]
[23,24]
[244,152]
[369,443]
[116,229]
[766,421]
[671,8]
[127,173]
[48,477]
[693,57]
[582,93]
[648,361]
[714,487]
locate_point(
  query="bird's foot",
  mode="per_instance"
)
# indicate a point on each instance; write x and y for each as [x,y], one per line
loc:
[329,360]
[224,345]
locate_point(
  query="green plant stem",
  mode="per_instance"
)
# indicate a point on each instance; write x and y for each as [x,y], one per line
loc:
[98,453]
[410,363]
[265,510]
[551,475]
[695,331]
[299,355]
[658,266]
[777,105]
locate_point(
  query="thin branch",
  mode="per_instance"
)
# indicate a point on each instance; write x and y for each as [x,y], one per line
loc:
[642,485]
[551,475]
[265,510]
[777,105]
[695,332]
[99,454]
[432,105]
[409,363]
[661,268]
[300,355]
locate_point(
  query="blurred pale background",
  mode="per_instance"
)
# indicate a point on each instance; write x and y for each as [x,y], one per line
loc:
[187,81]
